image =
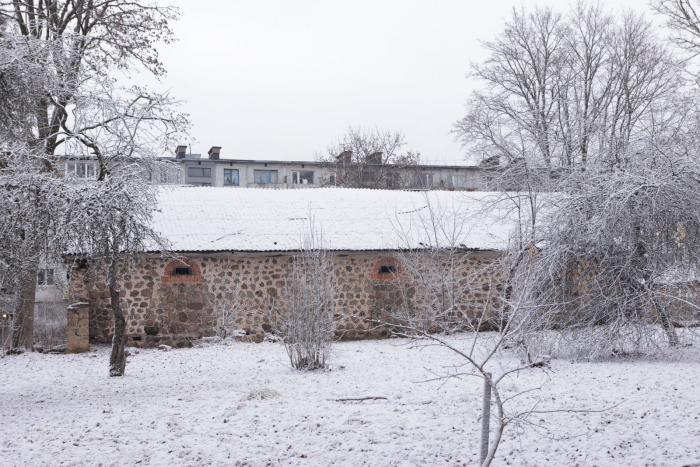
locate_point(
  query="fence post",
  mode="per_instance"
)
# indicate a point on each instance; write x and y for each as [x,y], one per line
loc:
[485,419]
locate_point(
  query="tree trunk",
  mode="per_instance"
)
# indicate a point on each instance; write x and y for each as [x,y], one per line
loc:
[23,322]
[649,289]
[117,359]
[666,323]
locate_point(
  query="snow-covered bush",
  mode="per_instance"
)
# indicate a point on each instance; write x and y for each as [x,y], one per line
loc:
[304,316]
[612,255]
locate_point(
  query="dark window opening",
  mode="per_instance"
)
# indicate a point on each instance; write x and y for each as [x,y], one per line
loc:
[199,172]
[387,269]
[182,271]
[45,277]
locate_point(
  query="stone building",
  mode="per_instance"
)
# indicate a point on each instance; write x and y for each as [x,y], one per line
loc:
[242,242]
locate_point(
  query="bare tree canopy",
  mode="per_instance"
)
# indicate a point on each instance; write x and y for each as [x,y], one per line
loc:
[559,89]
[370,158]
[681,18]
[596,120]
[70,41]
[58,92]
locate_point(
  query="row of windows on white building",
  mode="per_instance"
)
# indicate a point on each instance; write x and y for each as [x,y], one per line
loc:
[88,171]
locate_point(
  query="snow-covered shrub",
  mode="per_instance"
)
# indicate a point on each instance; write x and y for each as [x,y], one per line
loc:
[304,317]
[609,258]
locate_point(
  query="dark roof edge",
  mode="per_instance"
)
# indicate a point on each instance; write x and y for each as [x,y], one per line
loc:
[286,252]
[315,163]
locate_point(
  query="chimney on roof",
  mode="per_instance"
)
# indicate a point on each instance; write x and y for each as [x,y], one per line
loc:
[180,152]
[214,152]
[375,158]
[344,157]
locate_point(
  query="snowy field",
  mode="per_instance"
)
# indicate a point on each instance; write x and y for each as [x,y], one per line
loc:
[191,407]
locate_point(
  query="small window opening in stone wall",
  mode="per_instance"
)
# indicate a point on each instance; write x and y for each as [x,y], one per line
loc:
[386,268]
[182,271]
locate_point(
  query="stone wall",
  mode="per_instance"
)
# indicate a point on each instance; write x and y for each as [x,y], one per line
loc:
[78,328]
[166,309]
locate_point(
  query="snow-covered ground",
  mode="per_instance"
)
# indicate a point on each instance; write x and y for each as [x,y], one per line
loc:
[191,407]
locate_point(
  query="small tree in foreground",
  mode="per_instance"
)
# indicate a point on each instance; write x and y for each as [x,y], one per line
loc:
[435,261]
[112,229]
[305,315]
[110,220]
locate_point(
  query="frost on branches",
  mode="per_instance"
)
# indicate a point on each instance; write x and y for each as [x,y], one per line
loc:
[305,314]
[57,62]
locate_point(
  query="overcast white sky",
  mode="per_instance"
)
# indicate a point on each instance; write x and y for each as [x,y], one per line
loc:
[281,79]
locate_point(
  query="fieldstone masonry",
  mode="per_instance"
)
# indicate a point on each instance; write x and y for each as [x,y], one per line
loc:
[78,328]
[167,309]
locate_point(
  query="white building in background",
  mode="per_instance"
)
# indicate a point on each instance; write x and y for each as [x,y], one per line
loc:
[213,170]
[51,284]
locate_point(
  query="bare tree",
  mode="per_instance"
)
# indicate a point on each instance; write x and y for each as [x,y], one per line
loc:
[29,218]
[559,90]
[433,258]
[109,221]
[514,115]
[364,158]
[88,39]
[54,55]
[111,227]
[681,18]
[305,314]
[604,180]
[27,212]
[608,256]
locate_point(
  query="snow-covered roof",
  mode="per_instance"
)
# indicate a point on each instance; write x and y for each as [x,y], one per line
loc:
[255,219]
